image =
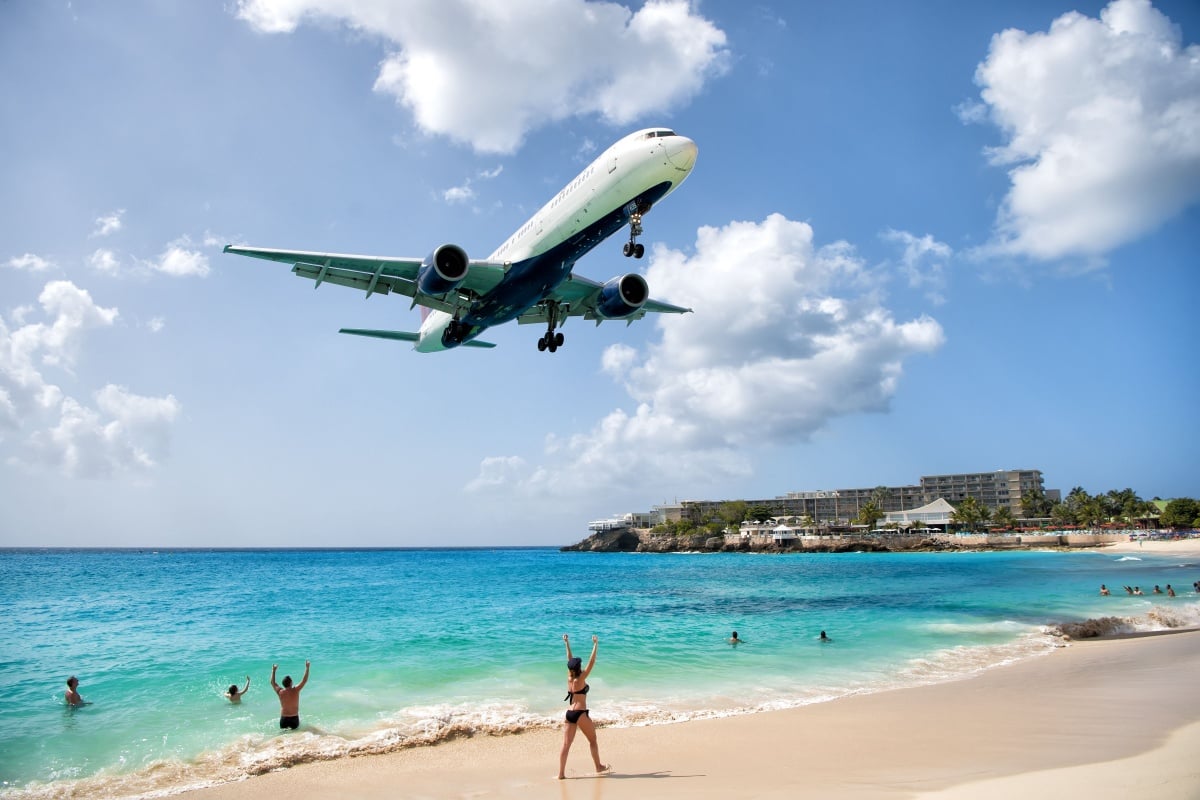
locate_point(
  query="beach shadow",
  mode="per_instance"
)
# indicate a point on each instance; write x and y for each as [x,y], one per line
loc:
[630,776]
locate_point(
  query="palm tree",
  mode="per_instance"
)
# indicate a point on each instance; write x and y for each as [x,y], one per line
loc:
[1003,517]
[869,514]
[970,513]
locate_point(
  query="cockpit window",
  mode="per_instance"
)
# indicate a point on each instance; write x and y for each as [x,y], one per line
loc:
[656,134]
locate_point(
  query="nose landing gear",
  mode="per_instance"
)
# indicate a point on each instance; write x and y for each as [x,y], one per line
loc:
[633,247]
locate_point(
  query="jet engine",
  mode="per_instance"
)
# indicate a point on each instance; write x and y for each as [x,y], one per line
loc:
[622,296]
[443,270]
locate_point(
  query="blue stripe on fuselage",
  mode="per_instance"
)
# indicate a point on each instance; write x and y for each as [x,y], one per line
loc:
[533,279]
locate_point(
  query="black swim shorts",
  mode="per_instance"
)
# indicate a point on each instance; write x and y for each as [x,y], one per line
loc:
[573,716]
[289,722]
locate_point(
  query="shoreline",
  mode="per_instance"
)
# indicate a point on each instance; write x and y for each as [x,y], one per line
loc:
[1103,717]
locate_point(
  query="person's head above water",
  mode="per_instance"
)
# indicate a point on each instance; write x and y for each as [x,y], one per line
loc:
[287,681]
[575,665]
[232,689]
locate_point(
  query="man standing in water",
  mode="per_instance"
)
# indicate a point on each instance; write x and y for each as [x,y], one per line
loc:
[289,698]
[72,694]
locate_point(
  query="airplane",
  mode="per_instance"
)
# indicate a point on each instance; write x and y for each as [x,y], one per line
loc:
[529,278]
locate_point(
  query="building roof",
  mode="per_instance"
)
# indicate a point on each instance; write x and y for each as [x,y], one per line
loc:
[937,512]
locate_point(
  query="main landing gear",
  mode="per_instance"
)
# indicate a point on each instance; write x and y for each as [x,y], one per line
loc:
[550,340]
[633,247]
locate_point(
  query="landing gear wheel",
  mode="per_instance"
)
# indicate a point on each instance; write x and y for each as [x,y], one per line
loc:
[628,249]
[639,250]
[553,345]
[542,344]
[558,340]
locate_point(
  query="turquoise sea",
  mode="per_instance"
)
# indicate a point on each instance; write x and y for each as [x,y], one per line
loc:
[409,647]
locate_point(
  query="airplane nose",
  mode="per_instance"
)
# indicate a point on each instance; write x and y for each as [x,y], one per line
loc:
[681,152]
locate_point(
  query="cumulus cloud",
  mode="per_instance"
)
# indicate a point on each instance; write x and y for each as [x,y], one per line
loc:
[110,223]
[105,261]
[30,263]
[785,337]
[1102,125]
[181,260]
[124,431]
[455,67]
[28,348]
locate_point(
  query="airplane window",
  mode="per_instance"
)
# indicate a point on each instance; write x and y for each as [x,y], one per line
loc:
[665,133]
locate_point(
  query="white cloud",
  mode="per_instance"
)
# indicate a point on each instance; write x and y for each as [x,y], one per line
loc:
[785,337]
[156,324]
[922,262]
[123,432]
[1102,122]
[25,350]
[31,263]
[465,192]
[126,433]
[179,260]
[455,66]
[108,224]
[459,194]
[105,261]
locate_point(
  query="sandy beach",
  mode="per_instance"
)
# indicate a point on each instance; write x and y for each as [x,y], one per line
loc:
[1155,547]
[1099,719]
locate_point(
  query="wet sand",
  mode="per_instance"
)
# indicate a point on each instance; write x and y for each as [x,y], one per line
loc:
[1112,718]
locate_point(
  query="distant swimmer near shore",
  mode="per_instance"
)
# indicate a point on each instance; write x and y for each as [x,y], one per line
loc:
[1137,590]
[234,695]
[289,698]
[72,693]
[734,640]
[1170,591]
[1103,589]
[824,638]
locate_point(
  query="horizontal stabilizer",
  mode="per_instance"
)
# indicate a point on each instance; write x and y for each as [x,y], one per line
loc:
[404,336]
[400,336]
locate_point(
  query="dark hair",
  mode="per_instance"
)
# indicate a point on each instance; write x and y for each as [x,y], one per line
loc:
[575,664]
[287,681]
[72,681]
[232,689]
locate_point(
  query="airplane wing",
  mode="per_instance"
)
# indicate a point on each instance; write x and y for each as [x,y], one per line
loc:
[580,295]
[376,274]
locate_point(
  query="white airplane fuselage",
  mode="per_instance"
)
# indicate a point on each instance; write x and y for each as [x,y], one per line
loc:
[615,189]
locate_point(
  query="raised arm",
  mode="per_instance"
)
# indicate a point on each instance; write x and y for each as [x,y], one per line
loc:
[567,642]
[592,660]
[274,685]
[247,687]
[303,680]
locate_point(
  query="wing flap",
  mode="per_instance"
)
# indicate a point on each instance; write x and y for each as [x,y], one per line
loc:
[375,274]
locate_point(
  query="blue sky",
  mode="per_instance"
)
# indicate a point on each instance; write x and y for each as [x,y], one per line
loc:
[920,238]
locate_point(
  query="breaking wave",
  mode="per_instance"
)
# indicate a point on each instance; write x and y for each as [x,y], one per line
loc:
[1158,618]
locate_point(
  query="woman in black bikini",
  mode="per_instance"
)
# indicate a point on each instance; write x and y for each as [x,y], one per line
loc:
[577,715]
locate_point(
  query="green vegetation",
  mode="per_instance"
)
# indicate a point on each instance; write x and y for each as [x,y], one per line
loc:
[869,514]
[1182,512]
[1114,507]
[970,513]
